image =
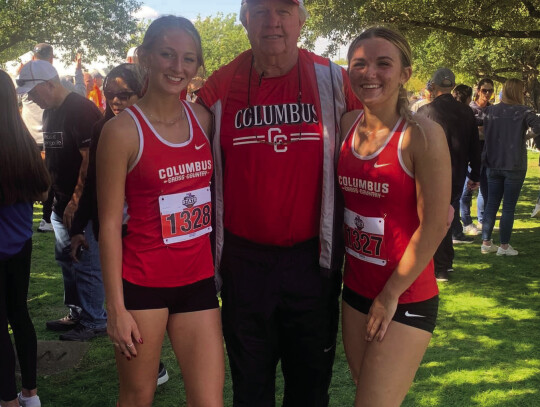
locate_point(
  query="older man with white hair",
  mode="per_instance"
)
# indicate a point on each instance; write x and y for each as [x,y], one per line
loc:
[277,220]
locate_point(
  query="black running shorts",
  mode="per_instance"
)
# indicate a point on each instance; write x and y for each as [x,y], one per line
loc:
[198,296]
[421,315]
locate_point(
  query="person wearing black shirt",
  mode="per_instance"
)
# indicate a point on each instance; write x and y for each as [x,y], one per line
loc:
[461,131]
[67,127]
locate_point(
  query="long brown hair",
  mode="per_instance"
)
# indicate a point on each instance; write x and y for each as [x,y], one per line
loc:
[23,176]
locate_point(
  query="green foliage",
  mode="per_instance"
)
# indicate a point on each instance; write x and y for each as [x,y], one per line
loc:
[475,38]
[137,36]
[223,39]
[101,28]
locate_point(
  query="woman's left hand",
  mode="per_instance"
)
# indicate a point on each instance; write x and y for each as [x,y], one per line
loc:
[380,315]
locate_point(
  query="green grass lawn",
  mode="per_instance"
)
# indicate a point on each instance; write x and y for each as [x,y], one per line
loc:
[485,350]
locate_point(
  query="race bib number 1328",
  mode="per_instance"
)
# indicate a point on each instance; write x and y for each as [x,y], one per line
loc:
[186,215]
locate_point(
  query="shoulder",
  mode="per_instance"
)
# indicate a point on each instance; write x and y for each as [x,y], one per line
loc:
[120,131]
[308,55]
[203,115]
[80,106]
[230,68]
[424,135]
[217,85]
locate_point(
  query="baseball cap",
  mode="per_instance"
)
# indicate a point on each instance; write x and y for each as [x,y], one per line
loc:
[299,2]
[444,78]
[43,51]
[34,73]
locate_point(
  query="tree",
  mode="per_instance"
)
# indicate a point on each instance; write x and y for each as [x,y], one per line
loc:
[223,39]
[101,28]
[482,38]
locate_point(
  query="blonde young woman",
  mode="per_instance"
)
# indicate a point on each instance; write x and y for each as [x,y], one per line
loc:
[395,177]
[505,157]
[159,278]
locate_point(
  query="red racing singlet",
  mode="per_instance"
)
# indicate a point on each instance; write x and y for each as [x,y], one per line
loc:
[169,208]
[380,217]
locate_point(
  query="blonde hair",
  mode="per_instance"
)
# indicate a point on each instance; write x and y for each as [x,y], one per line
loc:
[512,92]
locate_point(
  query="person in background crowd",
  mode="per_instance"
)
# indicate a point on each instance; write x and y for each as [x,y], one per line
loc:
[32,115]
[463,93]
[505,158]
[96,94]
[278,229]
[390,296]
[193,88]
[67,125]
[482,96]
[23,180]
[428,97]
[76,83]
[123,86]
[89,83]
[156,157]
[459,125]
[536,211]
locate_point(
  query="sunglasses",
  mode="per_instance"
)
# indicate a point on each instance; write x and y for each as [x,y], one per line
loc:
[122,96]
[486,91]
[22,82]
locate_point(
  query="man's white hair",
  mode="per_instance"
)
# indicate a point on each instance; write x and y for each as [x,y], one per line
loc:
[244,8]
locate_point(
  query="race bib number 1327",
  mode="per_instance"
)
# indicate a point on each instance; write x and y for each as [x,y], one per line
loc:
[186,215]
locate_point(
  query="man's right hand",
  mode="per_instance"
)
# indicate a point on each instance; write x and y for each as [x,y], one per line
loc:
[76,241]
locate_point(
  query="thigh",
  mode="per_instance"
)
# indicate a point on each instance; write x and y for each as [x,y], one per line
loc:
[495,191]
[138,376]
[197,341]
[17,280]
[388,367]
[513,181]
[354,328]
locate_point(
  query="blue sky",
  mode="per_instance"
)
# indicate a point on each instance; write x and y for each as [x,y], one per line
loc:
[192,8]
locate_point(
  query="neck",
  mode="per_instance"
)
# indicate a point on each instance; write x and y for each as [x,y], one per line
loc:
[274,65]
[482,103]
[379,118]
[162,107]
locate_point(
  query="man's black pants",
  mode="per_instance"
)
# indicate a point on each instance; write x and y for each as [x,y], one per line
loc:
[278,306]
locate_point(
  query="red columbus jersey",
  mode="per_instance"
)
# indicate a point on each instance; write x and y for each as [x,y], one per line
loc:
[271,138]
[380,217]
[169,208]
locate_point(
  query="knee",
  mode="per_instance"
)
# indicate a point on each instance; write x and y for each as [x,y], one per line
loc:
[205,402]
[140,397]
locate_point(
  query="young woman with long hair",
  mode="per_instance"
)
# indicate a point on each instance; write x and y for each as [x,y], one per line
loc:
[23,180]
[394,173]
[505,158]
[156,156]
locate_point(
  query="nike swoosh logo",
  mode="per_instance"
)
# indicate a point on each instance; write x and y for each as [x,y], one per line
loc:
[408,314]
[377,165]
[326,350]
[199,147]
